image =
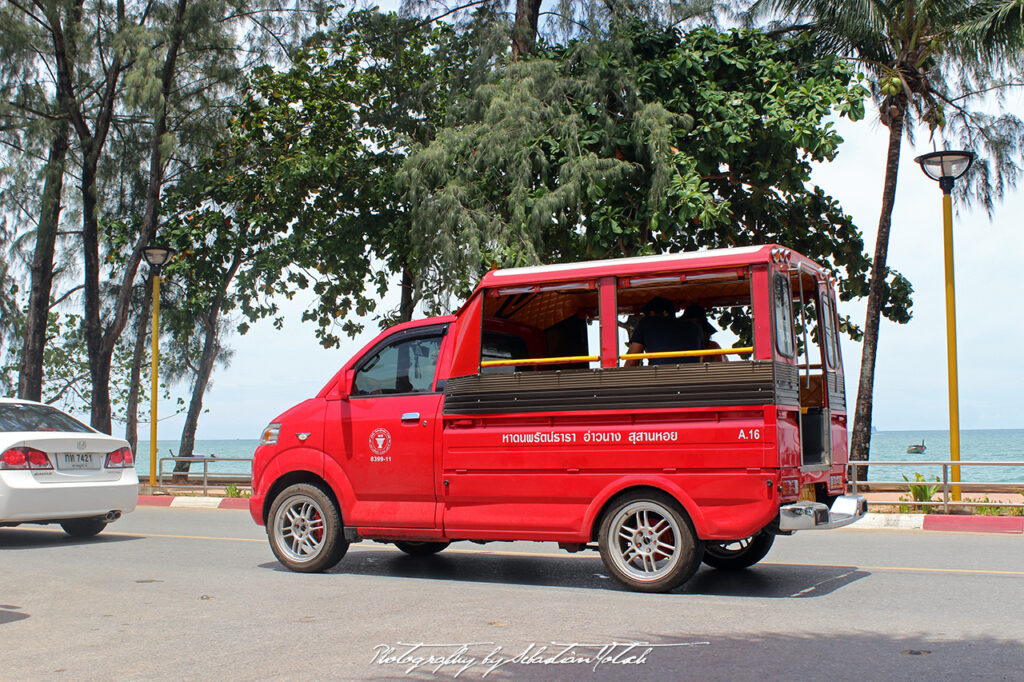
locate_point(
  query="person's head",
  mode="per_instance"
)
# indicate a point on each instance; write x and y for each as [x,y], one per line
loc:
[697,313]
[659,307]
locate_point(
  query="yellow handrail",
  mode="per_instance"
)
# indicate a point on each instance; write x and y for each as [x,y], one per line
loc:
[687,353]
[624,356]
[540,361]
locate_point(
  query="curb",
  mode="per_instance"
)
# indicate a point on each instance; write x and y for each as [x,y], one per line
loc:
[182,502]
[938,522]
[873,521]
[975,524]
[890,522]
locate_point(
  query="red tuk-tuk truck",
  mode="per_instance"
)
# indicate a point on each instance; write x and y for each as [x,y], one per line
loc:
[525,416]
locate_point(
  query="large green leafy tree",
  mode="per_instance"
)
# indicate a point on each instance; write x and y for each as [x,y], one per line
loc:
[123,95]
[646,142]
[300,194]
[306,176]
[933,62]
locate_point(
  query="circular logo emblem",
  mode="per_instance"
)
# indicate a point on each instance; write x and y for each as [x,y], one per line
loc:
[380,441]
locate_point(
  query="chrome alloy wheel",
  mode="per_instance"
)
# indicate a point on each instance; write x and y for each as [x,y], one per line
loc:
[299,526]
[646,541]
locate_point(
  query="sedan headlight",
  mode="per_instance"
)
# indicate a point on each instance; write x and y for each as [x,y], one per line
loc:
[269,436]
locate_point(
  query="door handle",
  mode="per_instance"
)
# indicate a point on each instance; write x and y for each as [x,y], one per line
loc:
[411,417]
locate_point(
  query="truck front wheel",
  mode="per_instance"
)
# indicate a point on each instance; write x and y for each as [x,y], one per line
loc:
[305,529]
[647,543]
[736,554]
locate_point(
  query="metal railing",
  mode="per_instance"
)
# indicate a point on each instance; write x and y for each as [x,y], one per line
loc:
[946,485]
[231,476]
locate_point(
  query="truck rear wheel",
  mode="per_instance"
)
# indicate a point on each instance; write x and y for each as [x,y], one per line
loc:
[736,554]
[304,528]
[647,543]
[421,548]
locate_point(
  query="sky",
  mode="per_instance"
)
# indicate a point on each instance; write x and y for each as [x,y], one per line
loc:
[275,369]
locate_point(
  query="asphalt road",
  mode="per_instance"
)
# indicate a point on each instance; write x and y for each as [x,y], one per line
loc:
[197,594]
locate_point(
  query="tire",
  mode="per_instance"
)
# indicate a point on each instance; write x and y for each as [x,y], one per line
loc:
[83,528]
[421,548]
[732,555]
[648,544]
[304,529]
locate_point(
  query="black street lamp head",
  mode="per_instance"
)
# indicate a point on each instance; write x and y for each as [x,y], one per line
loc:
[945,166]
[157,255]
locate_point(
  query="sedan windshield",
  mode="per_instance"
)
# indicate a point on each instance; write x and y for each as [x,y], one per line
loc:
[29,417]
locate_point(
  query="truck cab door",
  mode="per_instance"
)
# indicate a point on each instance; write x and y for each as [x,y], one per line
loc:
[392,413]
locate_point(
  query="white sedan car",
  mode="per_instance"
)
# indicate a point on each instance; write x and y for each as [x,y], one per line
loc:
[55,469]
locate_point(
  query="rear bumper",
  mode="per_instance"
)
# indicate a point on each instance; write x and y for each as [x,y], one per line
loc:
[806,515]
[24,500]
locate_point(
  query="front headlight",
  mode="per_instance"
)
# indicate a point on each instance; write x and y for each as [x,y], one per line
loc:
[269,436]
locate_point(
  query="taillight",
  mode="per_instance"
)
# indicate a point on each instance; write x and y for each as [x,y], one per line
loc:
[14,459]
[790,487]
[38,460]
[25,458]
[120,459]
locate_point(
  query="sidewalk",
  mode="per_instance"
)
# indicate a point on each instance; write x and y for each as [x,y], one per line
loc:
[887,506]
[193,502]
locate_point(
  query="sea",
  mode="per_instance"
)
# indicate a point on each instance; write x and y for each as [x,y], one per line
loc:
[982,445]
[991,445]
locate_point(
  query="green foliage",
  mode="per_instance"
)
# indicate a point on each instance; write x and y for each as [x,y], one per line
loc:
[947,65]
[232,490]
[994,509]
[66,366]
[921,491]
[648,142]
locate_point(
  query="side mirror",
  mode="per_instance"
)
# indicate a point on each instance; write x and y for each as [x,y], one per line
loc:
[341,390]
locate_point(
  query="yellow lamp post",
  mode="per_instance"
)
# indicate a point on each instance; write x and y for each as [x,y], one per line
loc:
[157,257]
[946,167]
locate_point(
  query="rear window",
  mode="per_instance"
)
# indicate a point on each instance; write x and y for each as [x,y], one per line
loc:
[498,346]
[27,417]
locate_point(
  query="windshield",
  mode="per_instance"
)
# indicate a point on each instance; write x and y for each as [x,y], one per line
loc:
[30,417]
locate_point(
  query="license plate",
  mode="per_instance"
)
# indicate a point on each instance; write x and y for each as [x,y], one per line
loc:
[78,460]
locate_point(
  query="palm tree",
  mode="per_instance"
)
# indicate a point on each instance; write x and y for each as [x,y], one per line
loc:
[909,48]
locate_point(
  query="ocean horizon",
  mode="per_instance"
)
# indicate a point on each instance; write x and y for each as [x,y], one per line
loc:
[986,445]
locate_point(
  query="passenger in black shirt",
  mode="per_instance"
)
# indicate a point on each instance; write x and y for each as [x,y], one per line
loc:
[659,331]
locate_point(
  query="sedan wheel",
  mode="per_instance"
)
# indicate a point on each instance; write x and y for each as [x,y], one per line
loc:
[647,543]
[305,529]
[83,528]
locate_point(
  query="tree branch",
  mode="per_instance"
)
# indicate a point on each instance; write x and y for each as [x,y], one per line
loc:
[430,20]
[66,295]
